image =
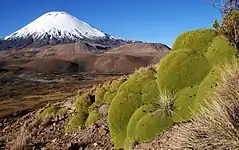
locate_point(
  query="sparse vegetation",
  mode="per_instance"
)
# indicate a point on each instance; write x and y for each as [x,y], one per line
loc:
[94,115]
[229,25]
[76,121]
[82,103]
[51,110]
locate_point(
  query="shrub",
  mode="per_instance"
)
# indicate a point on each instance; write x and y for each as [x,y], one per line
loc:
[130,96]
[180,69]
[61,111]
[184,101]
[112,90]
[150,120]
[92,118]
[218,125]
[99,95]
[106,93]
[82,103]
[206,87]
[152,125]
[220,51]
[120,112]
[76,121]
[51,110]
[138,114]
[229,24]
[199,40]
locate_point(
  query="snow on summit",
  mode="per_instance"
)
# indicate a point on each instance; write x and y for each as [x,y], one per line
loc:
[57,25]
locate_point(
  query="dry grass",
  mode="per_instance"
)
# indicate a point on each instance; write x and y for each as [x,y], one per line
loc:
[218,126]
[28,130]
[143,69]
[165,103]
[21,141]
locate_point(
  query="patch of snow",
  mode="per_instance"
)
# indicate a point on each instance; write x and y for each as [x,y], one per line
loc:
[57,25]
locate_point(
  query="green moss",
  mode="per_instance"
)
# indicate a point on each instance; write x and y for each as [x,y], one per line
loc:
[99,95]
[206,88]
[138,114]
[120,112]
[82,103]
[106,93]
[185,99]
[180,69]
[92,118]
[112,90]
[220,51]
[51,110]
[198,40]
[61,111]
[143,83]
[130,97]
[128,144]
[76,121]
[152,125]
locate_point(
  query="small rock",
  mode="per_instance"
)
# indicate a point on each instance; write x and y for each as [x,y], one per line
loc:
[103,132]
[68,144]
[95,144]
[53,141]
[104,110]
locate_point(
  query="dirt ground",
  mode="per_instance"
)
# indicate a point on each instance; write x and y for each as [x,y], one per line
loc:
[18,93]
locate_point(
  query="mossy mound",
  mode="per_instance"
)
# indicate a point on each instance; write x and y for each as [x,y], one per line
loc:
[112,90]
[138,114]
[99,95]
[76,121]
[106,93]
[92,118]
[61,111]
[82,103]
[143,83]
[220,51]
[51,110]
[184,101]
[120,112]
[152,125]
[198,40]
[130,96]
[207,88]
[180,69]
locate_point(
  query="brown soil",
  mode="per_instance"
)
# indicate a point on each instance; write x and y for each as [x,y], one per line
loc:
[140,48]
[102,63]
[33,132]
[51,65]
[166,141]
[18,94]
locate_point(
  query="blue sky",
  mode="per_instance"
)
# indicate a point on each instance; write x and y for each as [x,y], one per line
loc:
[145,20]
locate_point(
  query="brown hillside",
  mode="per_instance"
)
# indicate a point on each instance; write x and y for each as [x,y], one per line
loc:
[50,65]
[139,48]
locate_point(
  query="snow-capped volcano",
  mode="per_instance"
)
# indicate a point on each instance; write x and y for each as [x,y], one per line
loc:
[54,28]
[57,25]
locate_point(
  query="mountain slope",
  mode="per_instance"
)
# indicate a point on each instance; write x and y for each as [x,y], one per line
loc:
[57,25]
[57,28]
[140,48]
